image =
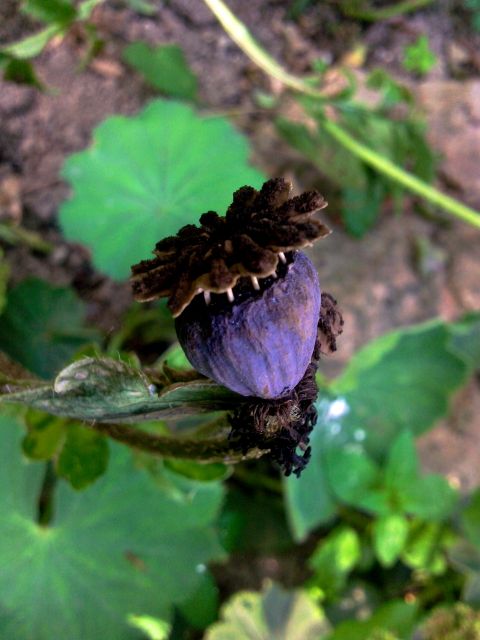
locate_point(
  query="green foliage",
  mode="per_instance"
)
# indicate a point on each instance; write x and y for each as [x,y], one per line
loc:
[59,16]
[395,617]
[146,176]
[20,71]
[396,386]
[111,545]
[153,628]
[474,7]
[84,456]
[401,381]
[42,326]
[471,519]
[402,141]
[50,11]
[45,435]
[418,57]
[271,614]
[164,68]
[426,547]
[389,537]
[335,557]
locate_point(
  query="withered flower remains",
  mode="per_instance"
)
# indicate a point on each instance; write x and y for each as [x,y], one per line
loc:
[249,311]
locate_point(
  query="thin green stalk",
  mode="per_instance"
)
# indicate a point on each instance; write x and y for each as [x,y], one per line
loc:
[244,39]
[396,173]
[371,14]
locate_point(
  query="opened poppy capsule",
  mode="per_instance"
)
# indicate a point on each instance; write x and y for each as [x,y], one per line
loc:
[245,299]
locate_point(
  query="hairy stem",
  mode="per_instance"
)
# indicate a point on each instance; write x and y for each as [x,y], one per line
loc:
[244,39]
[217,449]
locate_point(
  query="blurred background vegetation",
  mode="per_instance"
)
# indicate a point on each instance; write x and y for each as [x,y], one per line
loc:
[121,121]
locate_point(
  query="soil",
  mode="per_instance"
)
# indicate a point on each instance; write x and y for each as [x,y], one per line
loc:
[408,269]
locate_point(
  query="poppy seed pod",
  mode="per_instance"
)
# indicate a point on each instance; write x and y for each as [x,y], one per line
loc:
[249,312]
[262,344]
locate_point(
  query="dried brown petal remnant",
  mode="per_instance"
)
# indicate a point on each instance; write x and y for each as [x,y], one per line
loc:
[249,240]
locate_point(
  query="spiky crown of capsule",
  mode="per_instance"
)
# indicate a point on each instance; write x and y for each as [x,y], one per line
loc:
[258,228]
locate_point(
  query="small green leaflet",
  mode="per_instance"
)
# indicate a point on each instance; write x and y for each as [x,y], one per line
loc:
[164,68]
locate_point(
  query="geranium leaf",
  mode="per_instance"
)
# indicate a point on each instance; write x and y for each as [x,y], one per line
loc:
[273,614]
[120,547]
[146,176]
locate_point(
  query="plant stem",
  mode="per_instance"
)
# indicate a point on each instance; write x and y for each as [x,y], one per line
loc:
[244,39]
[371,14]
[212,450]
[396,173]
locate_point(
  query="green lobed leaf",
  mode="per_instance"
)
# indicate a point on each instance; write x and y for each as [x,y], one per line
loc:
[164,67]
[272,614]
[84,456]
[146,176]
[42,326]
[120,547]
[389,537]
[400,381]
[103,389]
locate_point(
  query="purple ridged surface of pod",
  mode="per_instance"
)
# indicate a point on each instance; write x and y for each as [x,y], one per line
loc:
[260,346]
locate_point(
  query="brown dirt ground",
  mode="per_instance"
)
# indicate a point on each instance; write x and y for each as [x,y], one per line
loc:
[379,281]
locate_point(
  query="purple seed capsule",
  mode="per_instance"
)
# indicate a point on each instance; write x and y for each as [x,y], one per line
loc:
[262,343]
